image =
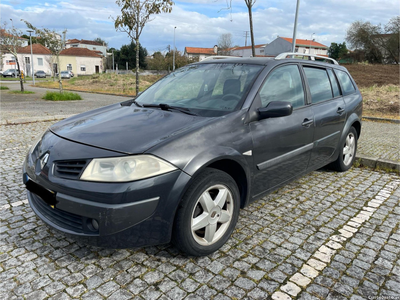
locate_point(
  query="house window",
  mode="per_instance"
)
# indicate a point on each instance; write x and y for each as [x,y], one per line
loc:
[261,51]
[69,67]
[94,48]
[75,46]
[27,60]
[40,61]
[83,68]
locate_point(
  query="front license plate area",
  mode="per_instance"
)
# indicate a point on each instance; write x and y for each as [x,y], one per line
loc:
[47,196]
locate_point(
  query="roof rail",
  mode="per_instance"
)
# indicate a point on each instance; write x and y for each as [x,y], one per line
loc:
[310,56]
[218,57]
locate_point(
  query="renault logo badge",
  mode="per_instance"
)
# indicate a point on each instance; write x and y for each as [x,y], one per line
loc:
[44,160]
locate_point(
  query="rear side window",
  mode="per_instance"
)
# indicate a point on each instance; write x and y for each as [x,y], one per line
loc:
[283,84]
[345,81]
[319,83]
[335,86]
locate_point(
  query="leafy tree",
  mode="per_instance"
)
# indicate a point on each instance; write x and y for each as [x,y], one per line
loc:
[392,39]
[101,41]
[225,43]
[10,42]
[128,54]
[134,16]
[338,51]
[35,40]
[53,42]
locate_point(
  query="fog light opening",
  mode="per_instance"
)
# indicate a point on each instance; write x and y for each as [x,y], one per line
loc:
[92,224]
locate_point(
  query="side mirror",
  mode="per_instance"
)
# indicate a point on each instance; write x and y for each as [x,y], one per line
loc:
[275,109]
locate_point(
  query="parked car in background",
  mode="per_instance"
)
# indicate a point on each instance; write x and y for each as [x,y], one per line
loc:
[65,75]
[179,161]
[40,74]
[11,73]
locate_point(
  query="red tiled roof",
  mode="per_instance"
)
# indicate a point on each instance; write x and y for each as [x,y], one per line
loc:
[79,52]
[36,49]
[300,42]
[4,33]
[247,47]
[86,42]
[194,50]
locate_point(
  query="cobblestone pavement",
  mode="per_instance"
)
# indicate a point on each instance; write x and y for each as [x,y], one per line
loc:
[325,236]
[380,140]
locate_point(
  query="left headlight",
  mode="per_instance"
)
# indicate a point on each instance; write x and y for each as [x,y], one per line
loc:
[126,168]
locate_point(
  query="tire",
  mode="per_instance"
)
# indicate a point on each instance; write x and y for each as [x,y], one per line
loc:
[347,152]
[199,204]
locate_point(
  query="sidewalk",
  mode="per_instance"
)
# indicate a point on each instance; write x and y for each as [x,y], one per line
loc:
[378,146]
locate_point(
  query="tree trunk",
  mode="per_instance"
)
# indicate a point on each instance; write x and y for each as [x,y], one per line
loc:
[20,75]
[253,51]
[59,75]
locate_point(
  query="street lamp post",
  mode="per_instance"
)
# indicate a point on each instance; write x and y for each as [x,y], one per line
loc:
[295,27]
[310,41]
[30,41]
[173,53]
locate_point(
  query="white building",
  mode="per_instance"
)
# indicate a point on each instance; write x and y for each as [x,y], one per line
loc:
[200,53]
[91,45]
[42,59]
[81,61]
[283,44]
[246,51]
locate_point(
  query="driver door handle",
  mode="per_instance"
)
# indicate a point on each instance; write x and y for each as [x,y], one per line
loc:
[307,122]
[340,110]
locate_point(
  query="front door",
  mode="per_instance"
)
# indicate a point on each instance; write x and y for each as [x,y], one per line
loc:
[282,146]
[97,69]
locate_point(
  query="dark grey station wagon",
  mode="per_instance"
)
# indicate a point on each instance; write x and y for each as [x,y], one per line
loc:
[178,162]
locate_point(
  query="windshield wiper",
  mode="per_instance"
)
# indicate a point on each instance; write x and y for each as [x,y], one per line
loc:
[168,107]
[129,103]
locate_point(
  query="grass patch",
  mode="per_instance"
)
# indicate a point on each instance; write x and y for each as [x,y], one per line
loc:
[65,96]
[19,92]
[3,87]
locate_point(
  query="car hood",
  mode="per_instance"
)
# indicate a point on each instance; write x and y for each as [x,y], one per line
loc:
[127,129]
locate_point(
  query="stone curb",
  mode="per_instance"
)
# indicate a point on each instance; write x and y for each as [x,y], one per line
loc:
[376,163]
[366,118]
[34,119]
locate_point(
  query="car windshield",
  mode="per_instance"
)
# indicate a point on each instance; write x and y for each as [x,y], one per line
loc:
[64,72]
[209,90]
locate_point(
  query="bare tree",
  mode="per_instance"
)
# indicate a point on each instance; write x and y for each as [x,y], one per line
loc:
[134,16]
[53,42]
[249,4]
[225,44]
[10,40]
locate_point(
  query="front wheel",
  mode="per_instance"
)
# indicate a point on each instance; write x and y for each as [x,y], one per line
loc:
[207,214]
[347,152]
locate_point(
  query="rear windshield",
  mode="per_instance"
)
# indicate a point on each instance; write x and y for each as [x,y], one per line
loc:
[206,89]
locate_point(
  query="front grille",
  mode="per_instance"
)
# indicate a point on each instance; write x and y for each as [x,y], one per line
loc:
[61,218]
[69,169]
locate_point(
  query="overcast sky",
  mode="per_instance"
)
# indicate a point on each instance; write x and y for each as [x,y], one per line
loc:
[200,22]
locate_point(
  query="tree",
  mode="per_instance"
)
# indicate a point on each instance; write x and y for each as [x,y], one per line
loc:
[35,40]
[53,42]
[127,54]
[337,51]
[134,16]
[10,40]
[224,44]
[101,41]
[379,43]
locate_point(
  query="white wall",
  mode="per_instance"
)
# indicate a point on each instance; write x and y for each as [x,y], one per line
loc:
[90,64]
[45,59]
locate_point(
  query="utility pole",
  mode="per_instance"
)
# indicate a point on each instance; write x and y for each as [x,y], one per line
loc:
[311,40]
[295,27]
[246,34]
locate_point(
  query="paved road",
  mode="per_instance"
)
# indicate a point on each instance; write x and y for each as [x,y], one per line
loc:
[326,236]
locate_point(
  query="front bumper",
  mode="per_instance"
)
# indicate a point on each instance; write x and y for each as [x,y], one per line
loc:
[127,214]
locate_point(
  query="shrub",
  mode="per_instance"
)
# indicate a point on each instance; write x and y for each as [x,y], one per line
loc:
[65,96]
[3,87]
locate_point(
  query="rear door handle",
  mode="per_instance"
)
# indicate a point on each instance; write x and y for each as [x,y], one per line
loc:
[340,110]
[307,122]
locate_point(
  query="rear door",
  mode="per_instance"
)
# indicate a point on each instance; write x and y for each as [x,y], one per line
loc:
[281,146]
[329,110]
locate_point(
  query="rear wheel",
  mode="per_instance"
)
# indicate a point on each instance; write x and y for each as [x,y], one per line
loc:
[347,152]
[207,214]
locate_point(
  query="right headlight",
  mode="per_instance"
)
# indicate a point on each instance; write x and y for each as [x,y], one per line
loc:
[126,168]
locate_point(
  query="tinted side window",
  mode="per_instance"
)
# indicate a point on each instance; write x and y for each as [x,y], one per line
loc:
[345,81]
[283,84]
[320,86]
[335,86]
